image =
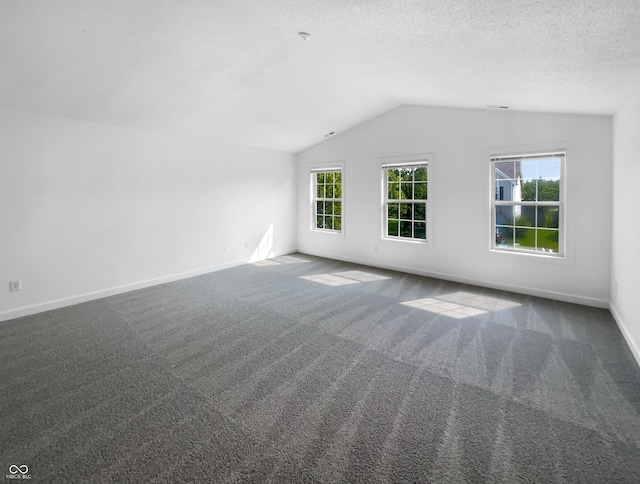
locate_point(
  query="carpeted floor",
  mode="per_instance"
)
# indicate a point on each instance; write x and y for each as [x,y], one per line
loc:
[302,369]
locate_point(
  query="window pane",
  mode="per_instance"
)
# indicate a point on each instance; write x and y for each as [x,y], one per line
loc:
[328,222]
[337,223]
[337,208]
[420,211]
[504,236]
[549,169]
[328,177]
[319,222]
[420,174]
[337,192]
[420,230]
[504,170]
[526,238]
[406,174]
[504,190]
[319,208]
[548,190]
[548,239]
[548,217]
[320,177]
[504,215]
[527,169]
[392,210]
[420,191]
[527,191]
[525,216]
[337,177]
[329,191]
[405,229]
[405,211]
[328,208]
[320,191]
[392,228]
[394,189]
[393,175]
[407,191]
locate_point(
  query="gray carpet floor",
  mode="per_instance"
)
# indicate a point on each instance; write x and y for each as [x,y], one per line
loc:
[303,369]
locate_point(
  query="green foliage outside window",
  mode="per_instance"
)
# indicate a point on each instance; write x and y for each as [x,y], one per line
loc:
[407,202]
[328,204]
[548,190]
[528,203]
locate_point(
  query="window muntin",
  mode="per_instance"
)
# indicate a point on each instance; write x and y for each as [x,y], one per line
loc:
[327,202]
[527,206]
[405,201]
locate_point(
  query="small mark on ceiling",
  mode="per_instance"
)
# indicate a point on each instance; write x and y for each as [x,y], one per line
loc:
[304,35]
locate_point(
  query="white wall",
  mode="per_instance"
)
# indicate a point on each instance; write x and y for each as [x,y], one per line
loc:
[461,141]
[625,266]
[91,209]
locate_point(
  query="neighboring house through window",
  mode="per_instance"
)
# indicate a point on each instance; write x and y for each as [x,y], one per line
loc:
[327,202]
[527,206]
[405,186]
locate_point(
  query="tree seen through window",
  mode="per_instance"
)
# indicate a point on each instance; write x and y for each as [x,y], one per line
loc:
[328,200]
[406,201]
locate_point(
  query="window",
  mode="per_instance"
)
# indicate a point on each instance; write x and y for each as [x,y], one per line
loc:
[405,200]
[327,206]
[527,206]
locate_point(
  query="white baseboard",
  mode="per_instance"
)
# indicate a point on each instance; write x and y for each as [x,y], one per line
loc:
[633,346]
[559,296]
[90,296]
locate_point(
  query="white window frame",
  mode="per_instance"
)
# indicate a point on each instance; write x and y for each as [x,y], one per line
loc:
[561,204]
[314,170]
[410,161]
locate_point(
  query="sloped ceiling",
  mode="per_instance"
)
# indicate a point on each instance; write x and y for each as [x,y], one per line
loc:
[237,70]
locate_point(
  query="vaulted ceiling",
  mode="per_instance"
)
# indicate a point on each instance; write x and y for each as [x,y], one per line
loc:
[237,70]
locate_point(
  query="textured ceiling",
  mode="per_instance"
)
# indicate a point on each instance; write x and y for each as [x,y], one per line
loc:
[237,70]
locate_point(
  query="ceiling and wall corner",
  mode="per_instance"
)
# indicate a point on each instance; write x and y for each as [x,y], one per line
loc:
[238,71]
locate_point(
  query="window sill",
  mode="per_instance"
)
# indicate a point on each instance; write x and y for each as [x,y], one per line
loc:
[538,255]
[410,241]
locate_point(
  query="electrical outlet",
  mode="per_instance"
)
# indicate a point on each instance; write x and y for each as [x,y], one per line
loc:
[15,285]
